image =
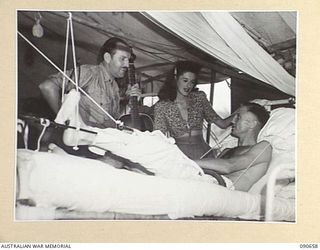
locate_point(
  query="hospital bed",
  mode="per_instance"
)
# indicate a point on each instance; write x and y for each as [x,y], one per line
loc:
[66,187]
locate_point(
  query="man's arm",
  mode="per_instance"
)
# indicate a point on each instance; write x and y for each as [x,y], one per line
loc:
[260,153]
[51,92]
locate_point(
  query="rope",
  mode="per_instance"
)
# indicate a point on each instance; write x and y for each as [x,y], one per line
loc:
[45,123]
[65,63]
[73,52]
[117,122]
[250,165]
[76,80]
[217,143]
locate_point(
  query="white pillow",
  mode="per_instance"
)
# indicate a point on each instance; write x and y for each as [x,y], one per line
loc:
[280,132]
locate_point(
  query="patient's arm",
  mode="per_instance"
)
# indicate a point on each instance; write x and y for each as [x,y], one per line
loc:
[244,170]
[259,153]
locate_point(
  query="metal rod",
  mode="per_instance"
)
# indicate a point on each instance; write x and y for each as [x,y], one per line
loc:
[54,124]
[213,79]
[58,125]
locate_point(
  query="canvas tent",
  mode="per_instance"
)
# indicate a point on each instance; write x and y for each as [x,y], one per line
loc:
[255,49]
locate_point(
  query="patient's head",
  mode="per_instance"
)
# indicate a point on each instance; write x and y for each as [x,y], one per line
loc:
[250,119]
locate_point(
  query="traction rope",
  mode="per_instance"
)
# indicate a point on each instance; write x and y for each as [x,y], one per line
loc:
[69,21]
[217,143]
[65,63]
[250,165]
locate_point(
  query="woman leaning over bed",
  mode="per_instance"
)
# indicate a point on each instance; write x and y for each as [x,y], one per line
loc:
[182,109]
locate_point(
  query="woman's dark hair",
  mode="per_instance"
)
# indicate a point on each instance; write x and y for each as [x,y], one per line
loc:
[259,111]
[168,92]
[110,46]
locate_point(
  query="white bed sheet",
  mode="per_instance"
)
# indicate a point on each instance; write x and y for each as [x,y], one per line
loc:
[53,180]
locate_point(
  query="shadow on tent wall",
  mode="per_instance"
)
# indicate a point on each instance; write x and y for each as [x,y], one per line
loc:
[244,91]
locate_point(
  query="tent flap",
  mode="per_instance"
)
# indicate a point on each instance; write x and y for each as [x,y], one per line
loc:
[220,35]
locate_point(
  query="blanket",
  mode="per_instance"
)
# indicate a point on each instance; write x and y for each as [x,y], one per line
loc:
[153,150]
[53,180]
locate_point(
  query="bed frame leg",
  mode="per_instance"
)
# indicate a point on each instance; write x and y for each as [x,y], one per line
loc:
[270,194]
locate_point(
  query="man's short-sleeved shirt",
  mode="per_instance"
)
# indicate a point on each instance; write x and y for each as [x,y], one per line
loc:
[96,81]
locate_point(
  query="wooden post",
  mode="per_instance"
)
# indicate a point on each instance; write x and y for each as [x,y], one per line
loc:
[212,80]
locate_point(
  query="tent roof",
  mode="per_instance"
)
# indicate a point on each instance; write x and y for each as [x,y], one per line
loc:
[155,47]
[274,31]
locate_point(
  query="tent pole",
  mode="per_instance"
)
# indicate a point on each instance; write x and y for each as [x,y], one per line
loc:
[212,81]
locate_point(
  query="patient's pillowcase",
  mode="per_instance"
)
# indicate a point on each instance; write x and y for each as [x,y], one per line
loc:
[280,132]
[279,128]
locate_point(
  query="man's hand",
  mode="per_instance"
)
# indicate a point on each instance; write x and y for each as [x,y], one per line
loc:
[134,91]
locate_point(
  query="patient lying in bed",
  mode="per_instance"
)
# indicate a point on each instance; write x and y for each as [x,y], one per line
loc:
[53,180]
[159,155]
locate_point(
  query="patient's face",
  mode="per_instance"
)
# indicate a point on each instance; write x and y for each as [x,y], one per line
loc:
[241,122]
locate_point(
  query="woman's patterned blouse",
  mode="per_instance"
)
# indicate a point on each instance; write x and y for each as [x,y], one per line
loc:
[167,116]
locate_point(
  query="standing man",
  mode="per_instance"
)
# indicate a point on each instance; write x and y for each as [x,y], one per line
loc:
[98,81]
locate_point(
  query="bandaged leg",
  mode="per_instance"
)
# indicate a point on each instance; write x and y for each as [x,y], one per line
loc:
[68,107]
[68,113]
